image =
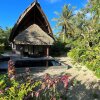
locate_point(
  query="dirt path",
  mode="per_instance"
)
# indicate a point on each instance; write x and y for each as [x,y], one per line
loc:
[87,87]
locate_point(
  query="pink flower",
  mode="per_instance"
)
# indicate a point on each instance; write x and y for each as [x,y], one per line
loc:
[64,79]
[47,76]
[11,68]
[37,94]
[43,86]
[48,86]
[1,91]
[52,82]
[57,80]
[10,63]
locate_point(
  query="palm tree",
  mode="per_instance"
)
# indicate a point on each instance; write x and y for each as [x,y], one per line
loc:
[64,21]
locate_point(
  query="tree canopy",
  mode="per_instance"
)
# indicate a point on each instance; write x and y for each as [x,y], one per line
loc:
[4,36]
[82,34]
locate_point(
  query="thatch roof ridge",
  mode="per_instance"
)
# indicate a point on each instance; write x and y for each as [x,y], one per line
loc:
[34,35]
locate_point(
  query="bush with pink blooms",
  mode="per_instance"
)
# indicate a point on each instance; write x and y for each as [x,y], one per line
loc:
[48,88]
[24,87]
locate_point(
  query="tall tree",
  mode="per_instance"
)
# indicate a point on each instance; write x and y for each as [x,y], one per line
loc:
[85,39]
[4,36]
[64,21]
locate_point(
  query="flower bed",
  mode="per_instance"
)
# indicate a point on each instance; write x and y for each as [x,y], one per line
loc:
[25,87]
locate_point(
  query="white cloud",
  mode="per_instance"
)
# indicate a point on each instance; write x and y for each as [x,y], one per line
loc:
[53,1]
[88,15]
[77,11]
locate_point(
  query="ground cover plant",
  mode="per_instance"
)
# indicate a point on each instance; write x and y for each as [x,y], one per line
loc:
[15,86]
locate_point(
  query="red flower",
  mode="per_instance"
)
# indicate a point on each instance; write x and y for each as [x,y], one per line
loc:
[11,69]
[64,79]
[47,76]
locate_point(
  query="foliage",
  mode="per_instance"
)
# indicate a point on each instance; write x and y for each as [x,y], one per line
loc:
[58,49]
[4,36]
[11,69]
[31,89]
[24,87]
[85,40]
[14,90]
[1,48]
[64,22]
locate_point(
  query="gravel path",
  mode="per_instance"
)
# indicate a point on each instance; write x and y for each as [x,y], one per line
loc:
[87,87]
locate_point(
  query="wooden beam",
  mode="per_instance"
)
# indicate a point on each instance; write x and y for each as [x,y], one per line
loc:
[47,51]
[47,55]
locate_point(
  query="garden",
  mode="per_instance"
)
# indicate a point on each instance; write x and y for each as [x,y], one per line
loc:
[78,44]
[15,86]
[48,84]
[80,34]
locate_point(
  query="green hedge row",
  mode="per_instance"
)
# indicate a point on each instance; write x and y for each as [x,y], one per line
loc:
[89,57]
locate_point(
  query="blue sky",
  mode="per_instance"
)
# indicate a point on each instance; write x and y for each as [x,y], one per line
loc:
[10,10]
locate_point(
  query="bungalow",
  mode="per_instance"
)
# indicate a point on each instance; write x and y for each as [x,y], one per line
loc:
[32,34]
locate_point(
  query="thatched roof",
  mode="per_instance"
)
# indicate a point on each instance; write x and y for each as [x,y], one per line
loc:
[33,35]
[32,15]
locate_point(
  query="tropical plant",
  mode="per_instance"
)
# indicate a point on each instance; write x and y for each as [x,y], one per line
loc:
[46,89]
[24,87]
[4,36]
[85,41]
[64,22]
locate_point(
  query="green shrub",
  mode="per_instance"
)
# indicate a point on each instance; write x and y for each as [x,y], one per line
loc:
[1,48]
[58,49]
[89,56]
[76,54]
[97,72]
[24,87]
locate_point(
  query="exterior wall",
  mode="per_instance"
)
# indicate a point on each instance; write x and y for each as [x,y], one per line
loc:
[30,50]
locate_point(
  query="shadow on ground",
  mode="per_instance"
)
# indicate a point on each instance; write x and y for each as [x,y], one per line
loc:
[81,91]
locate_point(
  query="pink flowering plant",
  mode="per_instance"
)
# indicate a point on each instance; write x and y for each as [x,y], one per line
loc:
[25,87]
[11,69]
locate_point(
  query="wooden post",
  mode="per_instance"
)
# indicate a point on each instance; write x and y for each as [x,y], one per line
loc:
[47,51]
[12,45]
[47,55]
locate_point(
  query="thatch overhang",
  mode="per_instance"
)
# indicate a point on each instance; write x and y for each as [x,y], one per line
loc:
[32,15]
[33,35]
